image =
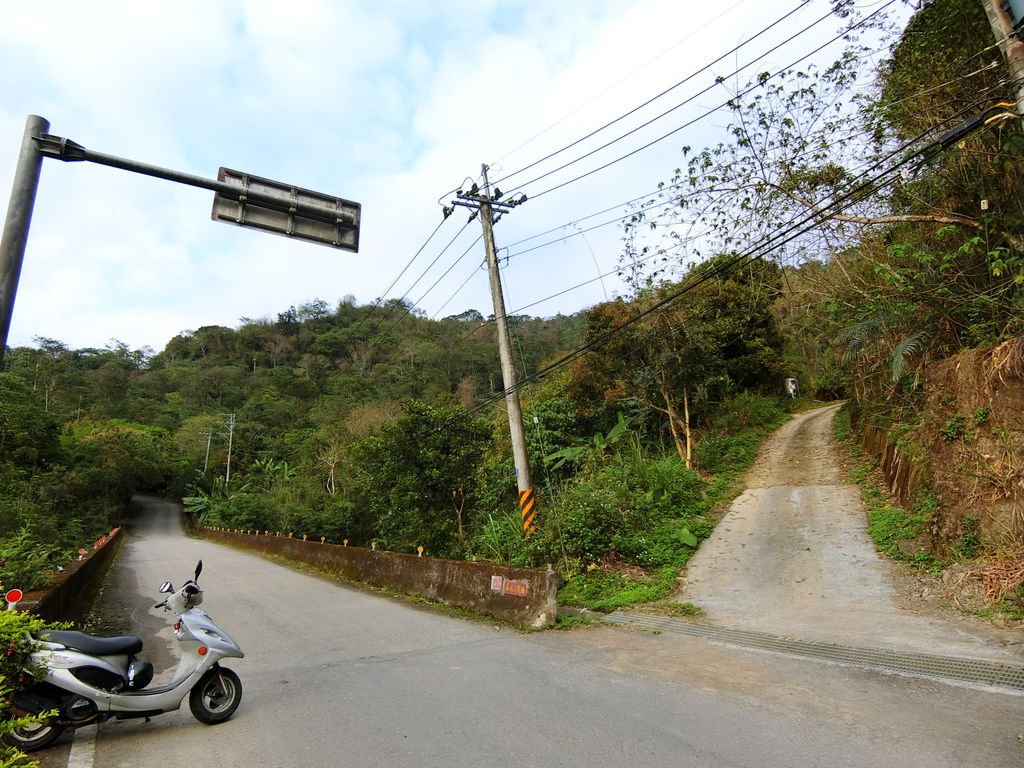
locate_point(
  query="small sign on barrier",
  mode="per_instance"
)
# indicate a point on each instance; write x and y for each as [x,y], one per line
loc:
[514,588]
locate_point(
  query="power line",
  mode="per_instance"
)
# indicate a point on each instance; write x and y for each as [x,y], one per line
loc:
[835,139]
[718,80]
[661,252]
[822,212]
[760,82]
[619,82]
[618,270]
[422,275]
[458,290]
[665,92]
[445,274]
[859,23]
[572,288]
[795,229]
[380,298]
[617,207]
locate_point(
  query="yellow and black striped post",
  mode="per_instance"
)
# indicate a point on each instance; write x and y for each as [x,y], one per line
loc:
[527,502]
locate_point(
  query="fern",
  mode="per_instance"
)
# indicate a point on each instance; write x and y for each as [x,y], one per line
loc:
[906,349]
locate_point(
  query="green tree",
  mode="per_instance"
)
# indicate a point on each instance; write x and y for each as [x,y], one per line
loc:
[29,437]
[717,335]
[119,458]
[411,474]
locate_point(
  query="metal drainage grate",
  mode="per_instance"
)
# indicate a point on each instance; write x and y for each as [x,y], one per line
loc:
[991,673]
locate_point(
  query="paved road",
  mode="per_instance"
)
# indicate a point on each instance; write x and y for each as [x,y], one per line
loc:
[338,677]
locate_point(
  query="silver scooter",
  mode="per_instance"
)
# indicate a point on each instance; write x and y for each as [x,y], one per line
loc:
[91,679]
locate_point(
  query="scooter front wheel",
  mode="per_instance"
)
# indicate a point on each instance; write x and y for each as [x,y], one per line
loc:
[216,697]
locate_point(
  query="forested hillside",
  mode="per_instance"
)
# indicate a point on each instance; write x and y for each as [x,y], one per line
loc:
[861,225]
[83,429]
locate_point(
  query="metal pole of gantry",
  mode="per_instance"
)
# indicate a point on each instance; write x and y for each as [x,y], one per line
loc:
[19,217]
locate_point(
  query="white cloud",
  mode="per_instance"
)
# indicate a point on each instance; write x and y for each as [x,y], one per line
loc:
[390,104]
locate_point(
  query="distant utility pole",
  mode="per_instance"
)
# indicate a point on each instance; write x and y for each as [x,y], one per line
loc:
[1009,43]
[484,202]
[209,439]
[231,438]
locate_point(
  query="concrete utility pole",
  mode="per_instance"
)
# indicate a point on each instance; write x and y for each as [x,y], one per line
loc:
[485,202]
[1009,43]
[209,439]
[231,440]
[19,216]
[508,371]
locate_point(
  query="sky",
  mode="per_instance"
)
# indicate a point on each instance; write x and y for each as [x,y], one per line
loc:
[392,104]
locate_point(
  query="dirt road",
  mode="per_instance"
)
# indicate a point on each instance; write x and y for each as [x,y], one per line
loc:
[792,557]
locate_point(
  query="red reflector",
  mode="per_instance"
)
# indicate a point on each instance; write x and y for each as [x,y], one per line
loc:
[202,650]
[177,626]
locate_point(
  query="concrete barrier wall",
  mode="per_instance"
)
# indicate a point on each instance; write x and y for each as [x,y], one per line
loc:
[70,598]
[523,596]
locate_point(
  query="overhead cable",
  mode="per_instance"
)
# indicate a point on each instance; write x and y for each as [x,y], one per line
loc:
[665,92]
[760,82]
[795,228]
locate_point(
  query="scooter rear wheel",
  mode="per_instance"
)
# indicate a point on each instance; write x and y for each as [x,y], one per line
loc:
[29,738]
[216,697]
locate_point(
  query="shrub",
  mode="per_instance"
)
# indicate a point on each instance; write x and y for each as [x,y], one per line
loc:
[246,510]
[26,563]
[501,539]
[749,409]
[623,508]
[954,428]
[16,670]
[969,544]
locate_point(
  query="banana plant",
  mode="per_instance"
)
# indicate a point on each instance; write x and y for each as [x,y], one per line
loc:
[597,447]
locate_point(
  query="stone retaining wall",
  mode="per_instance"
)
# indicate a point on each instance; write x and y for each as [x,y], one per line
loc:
[523,596]
[902,474]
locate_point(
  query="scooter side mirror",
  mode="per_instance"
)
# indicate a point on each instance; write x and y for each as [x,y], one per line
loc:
[166,588]
[199,569]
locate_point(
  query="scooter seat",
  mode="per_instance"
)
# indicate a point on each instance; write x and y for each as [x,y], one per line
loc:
[97,646]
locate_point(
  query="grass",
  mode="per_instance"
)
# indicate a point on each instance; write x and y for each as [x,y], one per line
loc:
[841,424]
[888,526]
[571,622]
[1004,610]
[888,523]
[607,592]
[675,610]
